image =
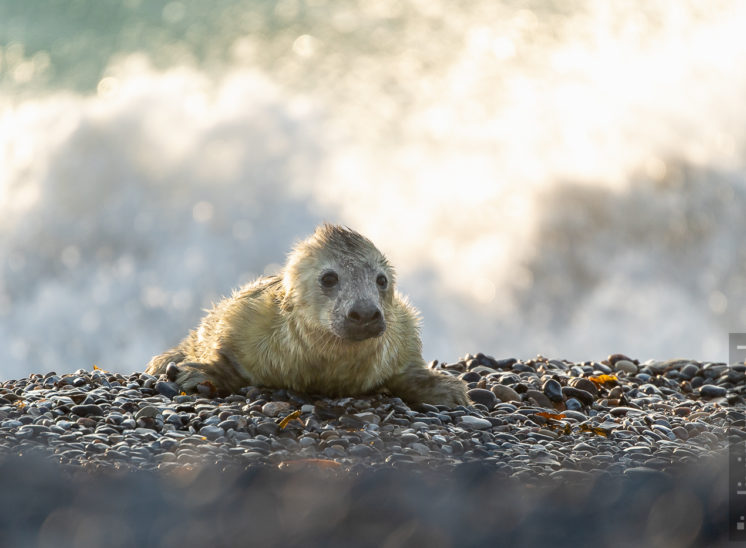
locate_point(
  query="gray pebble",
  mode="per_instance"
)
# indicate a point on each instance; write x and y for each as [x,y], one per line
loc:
[505,393]
[211,432]
[474,423]
[485,397]
[147,412]
[540,398]
[573,405]
[575,415]
[276,408]
[625,366]
[665,431]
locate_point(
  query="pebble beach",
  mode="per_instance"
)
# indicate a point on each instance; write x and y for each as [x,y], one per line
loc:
[535,425]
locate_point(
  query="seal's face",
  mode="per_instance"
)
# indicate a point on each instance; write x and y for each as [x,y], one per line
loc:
[339,280]
[356,293]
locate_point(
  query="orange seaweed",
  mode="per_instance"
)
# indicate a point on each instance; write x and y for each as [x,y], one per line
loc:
[551,416]
[603,379]
[292,416]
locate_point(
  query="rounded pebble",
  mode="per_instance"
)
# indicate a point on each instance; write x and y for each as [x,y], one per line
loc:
[146,412]
[485,397]
[168,389]
[553,390]
[583,396]
[505,393]
[172,371]
[89,410]
[211,432]
[712,391]
[474,423]
[625,366]
[276,408]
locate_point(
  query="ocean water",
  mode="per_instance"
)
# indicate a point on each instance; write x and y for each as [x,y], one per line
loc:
[565,179]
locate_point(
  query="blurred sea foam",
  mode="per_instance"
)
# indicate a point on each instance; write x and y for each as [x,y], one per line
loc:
[558,178]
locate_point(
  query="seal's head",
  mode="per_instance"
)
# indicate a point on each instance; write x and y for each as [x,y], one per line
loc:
[338,279]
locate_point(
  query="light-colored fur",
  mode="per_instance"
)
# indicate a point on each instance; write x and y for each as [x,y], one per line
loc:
[279,332]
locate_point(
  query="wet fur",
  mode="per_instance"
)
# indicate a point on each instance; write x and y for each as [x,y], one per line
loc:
[280,332]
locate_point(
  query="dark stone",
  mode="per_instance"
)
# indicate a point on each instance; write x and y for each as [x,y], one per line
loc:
[88,410]
[168,389]
[584,384]
[228,424]
[712,391]
[424,407]
[505,363]
[553,390]
[540,399]
[485,397]
[735,376]
[613,358]
[471,376]
[573,404]
[171,371]
[268,428]
[585,397]
[605,369]
[175,419]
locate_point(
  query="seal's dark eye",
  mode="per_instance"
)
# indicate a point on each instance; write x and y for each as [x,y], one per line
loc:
[382,281]
[329,279]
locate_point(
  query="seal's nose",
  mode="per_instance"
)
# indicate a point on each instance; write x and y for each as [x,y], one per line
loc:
[363,313]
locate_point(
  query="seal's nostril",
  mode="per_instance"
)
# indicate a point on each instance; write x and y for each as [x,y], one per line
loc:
[376,316]
[354,316]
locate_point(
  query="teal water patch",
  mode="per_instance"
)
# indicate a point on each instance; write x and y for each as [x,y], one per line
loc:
[70,44]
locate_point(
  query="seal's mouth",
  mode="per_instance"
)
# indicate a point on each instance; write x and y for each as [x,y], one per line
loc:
[361,333]
[357,332]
